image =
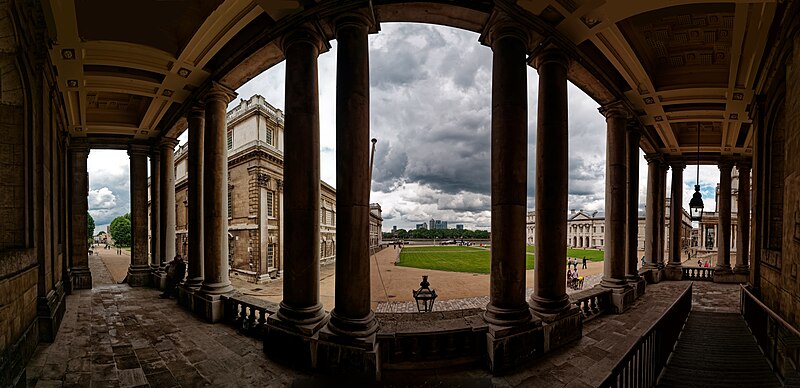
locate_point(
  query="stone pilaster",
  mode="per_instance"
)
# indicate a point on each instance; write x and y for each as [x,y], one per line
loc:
[743,214]
[674,269]
[724,226]
[79,271]
[139,270]
[614,266]
[216,283]
[632,138]
[295,326]
[155,208]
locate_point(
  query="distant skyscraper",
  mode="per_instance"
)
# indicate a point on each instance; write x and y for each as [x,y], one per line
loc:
[460,226]
[432,224]
[394,228]
[422,226]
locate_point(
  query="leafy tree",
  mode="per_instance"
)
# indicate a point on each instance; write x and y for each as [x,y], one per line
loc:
[102,232]
[89,225]
[120,230]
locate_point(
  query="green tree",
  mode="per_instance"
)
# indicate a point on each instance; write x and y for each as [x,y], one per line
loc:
[89,225]
[120,230]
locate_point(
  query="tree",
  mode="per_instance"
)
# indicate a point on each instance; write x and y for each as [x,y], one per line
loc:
[89,225]
[120,230]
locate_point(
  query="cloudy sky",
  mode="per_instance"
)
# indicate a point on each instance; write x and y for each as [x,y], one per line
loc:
[431,113]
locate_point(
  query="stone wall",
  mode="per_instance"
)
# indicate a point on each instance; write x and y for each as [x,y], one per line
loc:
[18,323]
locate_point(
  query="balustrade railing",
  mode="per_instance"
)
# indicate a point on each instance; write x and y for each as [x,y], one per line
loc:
[593,302]
[779,341]
[645,359]
[698,273]
[247,314]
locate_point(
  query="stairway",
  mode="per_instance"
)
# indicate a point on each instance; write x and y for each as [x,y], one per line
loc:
[717,350]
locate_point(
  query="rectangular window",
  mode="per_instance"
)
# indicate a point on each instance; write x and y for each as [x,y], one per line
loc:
[271,255]
[270,204]
[269,136]
[230,204]
[230,139]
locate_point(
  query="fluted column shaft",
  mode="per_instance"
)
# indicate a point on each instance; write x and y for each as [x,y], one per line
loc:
[724,225]
[352,314]
[676,214]
[632,137]
[550,286]
[507,305]
[215,193]
[616,199]
[196,259]
[167,214]
[79,270]
[743,208]
[138,166]
[300,303]
[651,220]
[155,209]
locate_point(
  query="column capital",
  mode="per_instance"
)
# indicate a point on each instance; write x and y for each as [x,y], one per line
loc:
[304,34]
[725,164]
[654,158]
[198,110]
[501,25]
[168,143]
[614,109]
[138,150]
[677,165]
[78,144]
[218,91]
[744,164]
[362,18]
[550,54]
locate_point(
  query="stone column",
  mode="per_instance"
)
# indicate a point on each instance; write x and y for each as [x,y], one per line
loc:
[632,137]
[167,201]
[724,226]
[662,211]
[674,269]
[743,242]
[139,270]
[79,271]
[352,315]
[507,305]
[300,309]
[652,220]
[155,209]
[196,259]
[549,296]
[215,205]
[614,267]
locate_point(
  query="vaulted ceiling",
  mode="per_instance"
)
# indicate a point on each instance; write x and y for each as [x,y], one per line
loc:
[126,68]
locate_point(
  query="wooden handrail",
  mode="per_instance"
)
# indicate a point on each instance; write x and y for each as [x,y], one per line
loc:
[769,311]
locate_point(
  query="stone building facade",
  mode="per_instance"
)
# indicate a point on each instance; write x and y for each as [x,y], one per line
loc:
[708,231]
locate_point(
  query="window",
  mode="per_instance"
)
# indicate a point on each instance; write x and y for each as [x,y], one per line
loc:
[269,136]
[230,204]
[270,255]
[230,139]
[270,204]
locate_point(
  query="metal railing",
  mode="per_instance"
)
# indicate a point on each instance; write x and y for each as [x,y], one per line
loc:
[247,314]
[779,340]
[592,302]
[645,359]
[698,273]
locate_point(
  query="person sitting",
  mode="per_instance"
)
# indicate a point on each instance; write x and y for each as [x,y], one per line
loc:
[176,270]
[569,277]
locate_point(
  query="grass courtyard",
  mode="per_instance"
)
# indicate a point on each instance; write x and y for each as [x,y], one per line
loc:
[470,259]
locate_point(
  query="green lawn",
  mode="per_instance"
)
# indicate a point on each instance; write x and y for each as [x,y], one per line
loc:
[591,254]
[451,258]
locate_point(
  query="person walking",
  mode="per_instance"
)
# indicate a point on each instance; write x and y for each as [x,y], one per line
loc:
[584,262]
[176,270]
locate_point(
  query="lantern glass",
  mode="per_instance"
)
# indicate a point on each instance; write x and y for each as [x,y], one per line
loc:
[696,205]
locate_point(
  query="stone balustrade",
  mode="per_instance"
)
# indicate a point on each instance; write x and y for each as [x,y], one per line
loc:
[592,302]
[248,314]
[698,273]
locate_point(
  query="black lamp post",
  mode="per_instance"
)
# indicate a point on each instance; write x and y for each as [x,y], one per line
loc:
[424,296]
[696,204]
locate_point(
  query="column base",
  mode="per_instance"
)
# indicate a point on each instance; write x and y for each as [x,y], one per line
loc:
[81,278]
[210,307]
[139,276]
[638,284]
[549,309]
[159,279]
[292,344]
[730,277]
[613,283]
[194,283]
[722,269]
[509,347]
[352,328]
[622,299]
[186,297]
[500,316]
[742,269]
[50,312]
[356,359]
[673,272]
[653,274]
